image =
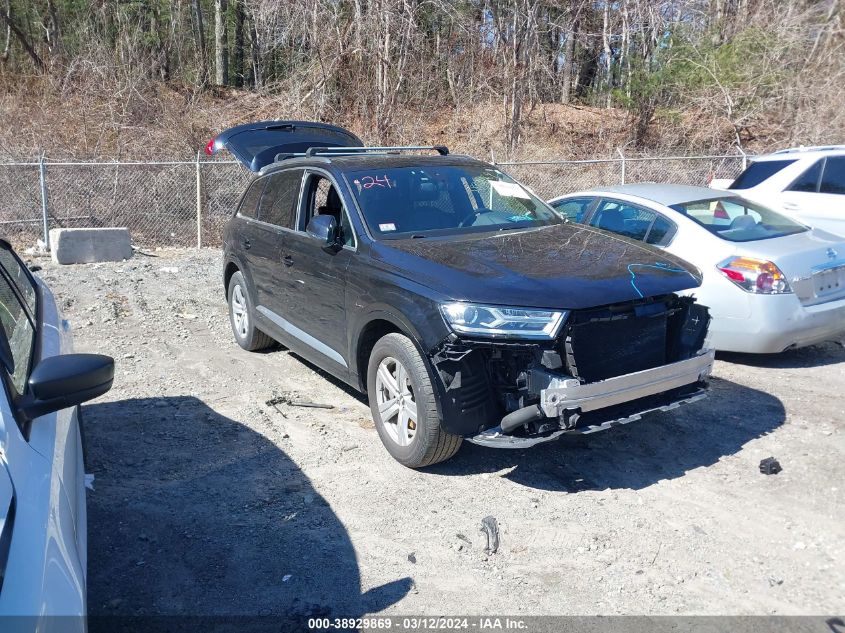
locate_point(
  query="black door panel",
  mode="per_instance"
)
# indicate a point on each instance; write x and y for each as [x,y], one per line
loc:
[315,291]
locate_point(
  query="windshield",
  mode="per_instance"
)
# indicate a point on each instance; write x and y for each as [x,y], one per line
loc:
[444,199]
[738,220]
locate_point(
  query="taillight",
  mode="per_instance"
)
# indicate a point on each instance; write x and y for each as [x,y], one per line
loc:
[719,212]
[754,275]
[209,147]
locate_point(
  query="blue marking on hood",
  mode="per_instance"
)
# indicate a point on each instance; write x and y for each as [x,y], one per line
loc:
[656,265]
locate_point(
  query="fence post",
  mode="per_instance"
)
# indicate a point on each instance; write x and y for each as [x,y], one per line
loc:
[622,156]
[744,158]
[42,175]
[199,203]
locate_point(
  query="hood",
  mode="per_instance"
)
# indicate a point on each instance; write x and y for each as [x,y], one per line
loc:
[565,266]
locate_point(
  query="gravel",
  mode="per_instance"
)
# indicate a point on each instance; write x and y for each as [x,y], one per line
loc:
[208,501]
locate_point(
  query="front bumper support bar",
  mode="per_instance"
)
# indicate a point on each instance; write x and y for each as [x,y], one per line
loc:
[572,396]
[554,400]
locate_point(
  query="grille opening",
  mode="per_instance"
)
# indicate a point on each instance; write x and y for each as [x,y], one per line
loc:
[619,340]
[604,349]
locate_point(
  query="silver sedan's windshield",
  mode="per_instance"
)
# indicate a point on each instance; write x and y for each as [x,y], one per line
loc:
[430,200]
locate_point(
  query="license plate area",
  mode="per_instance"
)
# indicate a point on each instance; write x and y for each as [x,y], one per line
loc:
[829,282]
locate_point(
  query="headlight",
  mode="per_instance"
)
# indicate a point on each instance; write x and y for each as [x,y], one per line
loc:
[499,322]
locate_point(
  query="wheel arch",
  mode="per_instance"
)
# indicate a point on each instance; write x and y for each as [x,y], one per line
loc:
[377,325]
[230,269]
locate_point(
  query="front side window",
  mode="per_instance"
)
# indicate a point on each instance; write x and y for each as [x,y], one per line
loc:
[757,172]
[281,198]
[444,199]
[20,277]
[809,180]
[632,221]
[18,329]
[738,220]
[833,180]
[574,209]
[322,198]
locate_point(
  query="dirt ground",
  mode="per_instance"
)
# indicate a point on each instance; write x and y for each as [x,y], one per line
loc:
[207,501]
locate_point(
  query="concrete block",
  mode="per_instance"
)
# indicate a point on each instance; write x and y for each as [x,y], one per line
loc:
[86,246]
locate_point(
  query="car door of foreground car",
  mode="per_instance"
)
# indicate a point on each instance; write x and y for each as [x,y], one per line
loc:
[316,278]
[43,557]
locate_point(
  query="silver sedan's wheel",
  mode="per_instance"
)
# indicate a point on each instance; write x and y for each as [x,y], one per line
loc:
[395,398]
[240,313]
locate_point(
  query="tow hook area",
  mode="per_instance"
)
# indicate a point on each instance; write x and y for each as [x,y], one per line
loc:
[496,438]
[567,419]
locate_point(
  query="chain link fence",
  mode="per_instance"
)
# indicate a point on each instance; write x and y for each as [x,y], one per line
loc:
[186,203]
[555,178]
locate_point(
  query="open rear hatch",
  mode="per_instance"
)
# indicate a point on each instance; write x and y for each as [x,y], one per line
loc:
[257,144]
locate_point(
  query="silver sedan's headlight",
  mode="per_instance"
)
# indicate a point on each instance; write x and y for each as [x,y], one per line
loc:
[500,322]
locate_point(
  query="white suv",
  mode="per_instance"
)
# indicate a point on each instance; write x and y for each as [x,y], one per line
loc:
[807,183]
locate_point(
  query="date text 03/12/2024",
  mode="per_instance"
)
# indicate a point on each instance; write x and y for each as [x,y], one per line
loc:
[422,623]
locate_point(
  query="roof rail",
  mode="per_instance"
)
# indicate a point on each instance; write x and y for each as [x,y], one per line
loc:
[814,148]
[347,151]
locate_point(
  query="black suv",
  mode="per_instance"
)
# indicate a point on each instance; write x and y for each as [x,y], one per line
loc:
[458,301]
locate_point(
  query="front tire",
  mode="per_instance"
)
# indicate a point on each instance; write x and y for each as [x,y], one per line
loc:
[241,316]
[403,404]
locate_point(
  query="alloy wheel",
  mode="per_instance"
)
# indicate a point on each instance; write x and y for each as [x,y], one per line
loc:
[396,404]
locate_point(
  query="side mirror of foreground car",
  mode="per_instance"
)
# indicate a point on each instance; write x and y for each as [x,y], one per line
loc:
[324,229]
[58,382]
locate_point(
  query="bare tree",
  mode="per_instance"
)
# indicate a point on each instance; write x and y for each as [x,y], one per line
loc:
[221,44]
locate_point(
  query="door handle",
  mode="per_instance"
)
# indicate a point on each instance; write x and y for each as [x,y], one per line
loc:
[792,206]
[288,260]
[247,244]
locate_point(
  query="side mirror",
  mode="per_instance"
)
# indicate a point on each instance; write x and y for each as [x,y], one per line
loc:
[64,381]
[324,229]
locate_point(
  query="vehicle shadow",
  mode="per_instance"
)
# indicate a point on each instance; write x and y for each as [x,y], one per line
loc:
[813,356]
[196,514]
[635,456]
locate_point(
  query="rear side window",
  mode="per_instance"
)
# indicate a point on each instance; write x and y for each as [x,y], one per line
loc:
[17,326]
[280,199]
[809,180]
[758,172]
[631,221]
[249,203]
[574,209]
[833,180]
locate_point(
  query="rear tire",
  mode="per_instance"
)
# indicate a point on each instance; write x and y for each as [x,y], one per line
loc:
[404,405]
[242,317]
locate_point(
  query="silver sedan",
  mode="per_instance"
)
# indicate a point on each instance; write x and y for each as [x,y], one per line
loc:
[771,283]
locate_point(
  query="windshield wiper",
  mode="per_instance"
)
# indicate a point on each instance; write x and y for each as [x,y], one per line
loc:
[512,227]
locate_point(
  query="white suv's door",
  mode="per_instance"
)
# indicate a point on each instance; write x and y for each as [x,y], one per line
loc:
[817,197]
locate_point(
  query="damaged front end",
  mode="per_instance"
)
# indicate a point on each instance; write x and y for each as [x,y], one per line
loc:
[606,366]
